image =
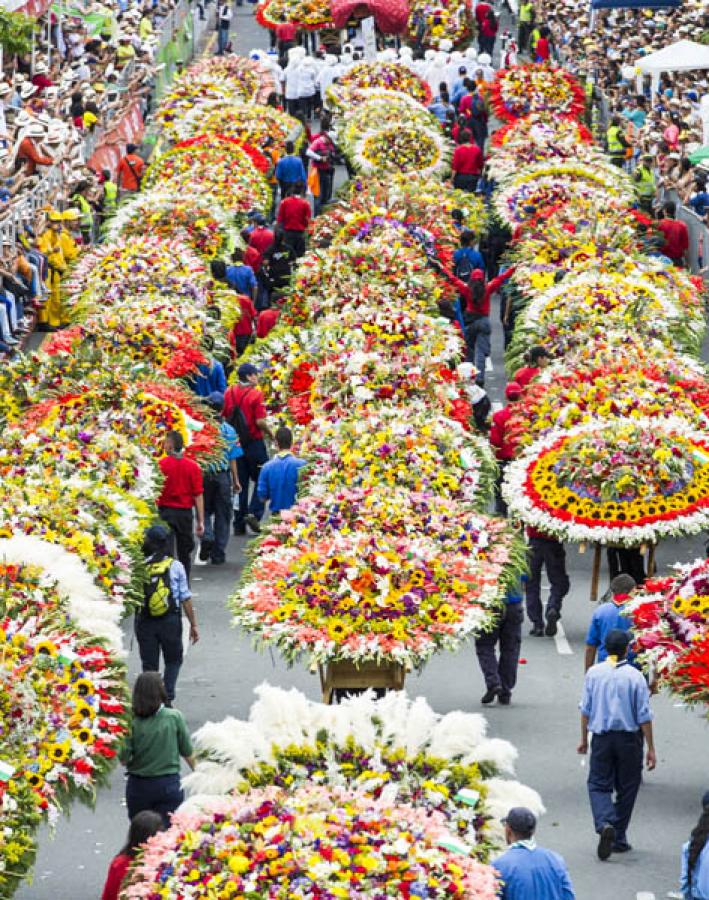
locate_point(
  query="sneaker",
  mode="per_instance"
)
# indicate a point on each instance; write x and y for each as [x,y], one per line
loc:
[198,561]
[489,695]
[553,617]
[253,523]
[205,550]
[218,562]
[239,530]
[621,848]
[537,631]
[606,838]
[504,698]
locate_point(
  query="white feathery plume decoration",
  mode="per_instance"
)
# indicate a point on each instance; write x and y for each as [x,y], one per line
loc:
[457,734]
[280,715]
[419,724]
[495,751]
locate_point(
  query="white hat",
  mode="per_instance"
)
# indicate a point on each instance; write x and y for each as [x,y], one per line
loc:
[35,131]
[27,90]
[55,136]
[4,88]
[19,78]
[23,118]
[40,68]
[446,45]
[471,53]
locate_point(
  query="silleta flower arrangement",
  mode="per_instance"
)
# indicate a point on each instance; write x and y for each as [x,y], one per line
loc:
[671,630]
[402,148]
[521,90]
[431,23]
[389,748]
[311,15]
[387,75]
[249,123]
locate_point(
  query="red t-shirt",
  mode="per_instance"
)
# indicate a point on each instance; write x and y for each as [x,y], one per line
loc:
[261,238]
[294,214]
[524,375]
[542,49]
[286,32]
[676,238]
[467,159]
[249,399]
[488,28]
[252,258]
[481,11]
[266,321]
[183,482]
[245,325]
[498,436]
[116,873]
[130,169]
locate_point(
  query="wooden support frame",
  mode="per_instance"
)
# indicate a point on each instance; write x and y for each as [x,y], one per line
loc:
[596,567]
[346,675]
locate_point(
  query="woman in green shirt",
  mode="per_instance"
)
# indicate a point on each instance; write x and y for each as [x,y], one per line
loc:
[152,750]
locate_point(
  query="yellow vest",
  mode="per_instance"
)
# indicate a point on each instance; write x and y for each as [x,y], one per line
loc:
[646,183]
[615,148]
[110,196]
[87,216]
[526,11]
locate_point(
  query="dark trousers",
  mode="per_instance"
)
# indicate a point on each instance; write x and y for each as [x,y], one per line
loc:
[523,32]
[217,514]
[628,560]
[501,673]
[465,182]
[161,794]
[326,182]
[477,339]
[249,467]
[182,530]
[550,554]
[241,342]
[616,765]
[500,505]
[296,241]
[156,635]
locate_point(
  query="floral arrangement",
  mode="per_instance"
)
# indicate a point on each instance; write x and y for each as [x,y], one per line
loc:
[387,75]
[430,23]
[624,482]
[226,78]
[378,107]
[62,712]
[402,148]
[520,90]
[307,842]
[216,166]
[393,747]
[671,630]
[311,15]
[249,123]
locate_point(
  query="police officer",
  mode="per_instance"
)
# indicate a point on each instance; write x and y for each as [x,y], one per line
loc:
[616,142]
[615,708]
[501,675]
[645,183]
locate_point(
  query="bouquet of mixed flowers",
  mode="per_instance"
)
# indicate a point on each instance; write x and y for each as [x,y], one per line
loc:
[520,90]
[401,147]
[311,15]
[362,77]
[431,23]
[249,123]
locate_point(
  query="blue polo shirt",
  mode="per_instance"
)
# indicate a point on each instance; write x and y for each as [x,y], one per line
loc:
[210,379]
[278,481]
[615,698]
[604,619]
[242,279]
[532,873]
[290,169]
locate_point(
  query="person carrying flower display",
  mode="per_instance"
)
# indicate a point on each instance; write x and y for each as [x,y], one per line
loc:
[289,170]
[501,674]
[278,479]
[545,552]
[467,164]
[537,358]
[294,217]
[181,491]
[504,448]
[245,410]
[322,153]
[49,243]
[607,617]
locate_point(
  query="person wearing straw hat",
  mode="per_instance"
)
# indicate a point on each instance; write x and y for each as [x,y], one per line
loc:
[49,243]
[27,151]
[71,219]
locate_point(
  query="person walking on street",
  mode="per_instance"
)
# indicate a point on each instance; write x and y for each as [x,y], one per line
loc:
[501,675]
[322,153]
[158,623]
[151,752]
[245,410]
[142,826]
[545,552]
[221,484]
[607,617]
[529,872]
[694,878]
[129,174]
[181,491]
[278,481]
[224,15]
[615,708]
[501,442]
[294,217]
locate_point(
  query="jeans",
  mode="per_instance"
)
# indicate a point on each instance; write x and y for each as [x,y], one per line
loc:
[616,765]
[628,560]
[160,793]
[156,634]
[222,40]
[477,337]
[326,181]
[546,552]
[465,182]
[249,467]
[502,673]
[182,531]
[217,513]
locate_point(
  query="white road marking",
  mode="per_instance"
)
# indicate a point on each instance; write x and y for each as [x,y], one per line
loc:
[488,364]
[563,647]
[644,895]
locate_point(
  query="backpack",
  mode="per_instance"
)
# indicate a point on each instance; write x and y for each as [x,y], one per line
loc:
[239,424]
[158,598]
[464,269]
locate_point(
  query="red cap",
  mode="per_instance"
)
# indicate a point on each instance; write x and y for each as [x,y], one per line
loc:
[513,391]
[477,275]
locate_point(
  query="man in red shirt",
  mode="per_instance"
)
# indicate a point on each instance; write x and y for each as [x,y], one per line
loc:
[500,440]
[294,217]
[130,170]
[181,490]
[267,320]
[260,237]
[537,359]
[467,163]
[481,11]
[676,235]
[243,330]
[251,423]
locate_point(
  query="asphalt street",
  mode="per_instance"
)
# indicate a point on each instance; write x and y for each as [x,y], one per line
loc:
[220,673]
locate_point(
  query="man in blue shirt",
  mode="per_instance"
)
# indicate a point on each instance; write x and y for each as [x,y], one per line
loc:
[466,258]
[289,170]
[607,616]
[210,376]
[699,201]
[240,277]
[529,872]
[278,479]
[221,484]
[615,708]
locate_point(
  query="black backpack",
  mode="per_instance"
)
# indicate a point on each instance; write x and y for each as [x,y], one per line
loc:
[464,269]
[239,424]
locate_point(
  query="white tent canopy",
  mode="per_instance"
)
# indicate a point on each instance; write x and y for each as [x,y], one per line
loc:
[683,56]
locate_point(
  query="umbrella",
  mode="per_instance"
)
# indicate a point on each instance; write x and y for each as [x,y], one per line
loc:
[699,155]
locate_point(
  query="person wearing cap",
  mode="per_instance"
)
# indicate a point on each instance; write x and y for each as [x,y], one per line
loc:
[49,243]
[250,423]
[608,617]
[501,674]
[278,479]
[70,219]
[289,170]
[182,490]
[537,358]
[645,185]
[530,872]
[694,875]
[500,439]
[28,152]
[615,708]
[210,377]
[162,634]
[221,484]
